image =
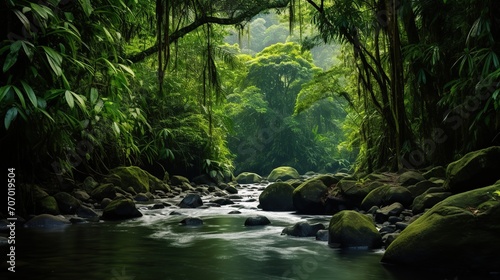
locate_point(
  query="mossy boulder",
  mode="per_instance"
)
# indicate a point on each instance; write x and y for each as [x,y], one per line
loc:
[421,187]
[277,197]
[283,173]
[387,195]
[327,179]
[303,229]
[409,178]
[129,176]
[104,191]
[308,197]
[428,200]
[178,180]
[355,190]
[121,209]
[47,205]
[459,232]
[67,203]
[474,170]
[350,229]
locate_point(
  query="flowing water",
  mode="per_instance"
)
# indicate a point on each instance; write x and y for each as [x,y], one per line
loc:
[157,247]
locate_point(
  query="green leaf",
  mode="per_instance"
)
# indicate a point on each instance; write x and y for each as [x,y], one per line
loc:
[24,20]
[69,99]
[94,94]
[11,58]
[31,94]
[20,96]
[46,114]
[4,90]
[87,7]
[54,59]
[127,69]
[116,129]
[80,100]
[10,116]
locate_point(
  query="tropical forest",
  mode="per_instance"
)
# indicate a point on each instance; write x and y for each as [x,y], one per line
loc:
[256,139]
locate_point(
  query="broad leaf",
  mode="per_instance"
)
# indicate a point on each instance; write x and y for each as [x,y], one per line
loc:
[10,116]
[69,99]
[31,94]
[54,59]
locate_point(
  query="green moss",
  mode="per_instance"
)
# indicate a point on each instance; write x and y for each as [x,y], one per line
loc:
[277,197]
[130,176]
[308,197]
[283,173]
[386,195]
[461,231]
[351,229]
[47,205]
[248,178]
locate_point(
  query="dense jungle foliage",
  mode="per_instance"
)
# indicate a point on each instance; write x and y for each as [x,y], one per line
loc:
[215,87]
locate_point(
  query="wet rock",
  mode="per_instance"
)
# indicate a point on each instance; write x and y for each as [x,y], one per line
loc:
[141,197]
[121,209]
[475,170]
[47,221]
[461,231]
[350,229]
[81,195]
[104,191]
[322,235]
[158,206]
[178,180]
[409,178]
[192,222]
[130,176]
[387,239]
[283,173]
[248,178]
[427,200]
[222,201]
[191,201]
[87,213]
[308,197]
[303,229]
[277,197]
[386,195]
[175,213]
[383,214]
[231,190]
[234,212]
[257,221]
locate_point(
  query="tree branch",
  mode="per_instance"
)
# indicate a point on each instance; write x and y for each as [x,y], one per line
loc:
[176,35]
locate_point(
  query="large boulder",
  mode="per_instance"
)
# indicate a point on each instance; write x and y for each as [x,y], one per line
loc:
[409,178]
[67,203]
[350,229]
[474,170]
[356,191]
[277,197]
[428,200]
[43,202]
[283,173]
[130,176]
[387,195]
[191,201]
[121,209]
[308,197]
[248,178]
[104,191]
[47,221]
[459,232]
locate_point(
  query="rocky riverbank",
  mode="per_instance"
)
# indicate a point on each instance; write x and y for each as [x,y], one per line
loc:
[441,217]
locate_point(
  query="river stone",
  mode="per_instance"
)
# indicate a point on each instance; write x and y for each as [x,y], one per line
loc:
[67,203]
[222,201]
[436,172]
[383,214]
[459,232]
[308,197]
[231,190]
[191,201]
[87,213]
[351,229]
[47,221]
[409,178]
[192,222]
[130,176]
[141,197]
[427,200]
[103,191]
[277,197]
[257,221]
[474,170]
[121,209]
[322,235]
[47,205]
[303,229]
[81,195]
[283,173]
[386,195]
[248,178]
[178,180]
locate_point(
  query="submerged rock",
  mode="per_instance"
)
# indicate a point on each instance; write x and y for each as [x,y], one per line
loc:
[351,229]
[303,229]
[277,197]
[283,173]
[192,222]
[459,232]
[257,221]
[121,209]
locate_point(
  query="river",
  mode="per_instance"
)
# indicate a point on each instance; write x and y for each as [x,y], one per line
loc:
[157,247]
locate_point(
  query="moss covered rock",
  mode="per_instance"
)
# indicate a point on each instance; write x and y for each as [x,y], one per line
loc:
[459,232]
[121,209]
[350,229]
[67,203]
[356,191]
[428,200]
[277,197]
[474,170]
[308,198]
[130,176]
[178,180]
[103,191]
[409,178]
[47,205]
[387,195]
[283,173]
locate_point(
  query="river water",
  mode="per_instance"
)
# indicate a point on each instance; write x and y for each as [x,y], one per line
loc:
[157,247]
